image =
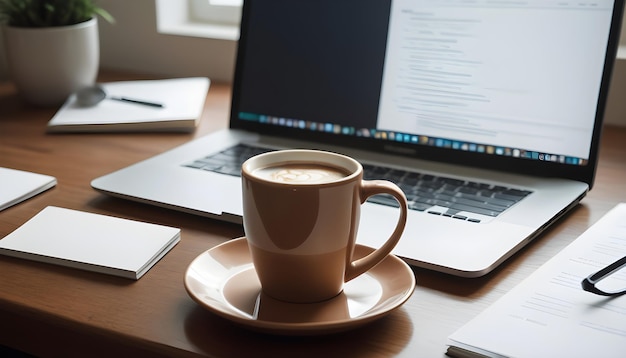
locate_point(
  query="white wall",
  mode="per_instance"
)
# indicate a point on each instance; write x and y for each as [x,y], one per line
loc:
[133,44]
[616,106]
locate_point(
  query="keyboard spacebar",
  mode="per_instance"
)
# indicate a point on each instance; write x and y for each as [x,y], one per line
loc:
[474,209]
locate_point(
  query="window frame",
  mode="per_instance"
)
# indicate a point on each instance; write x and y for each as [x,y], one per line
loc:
[217,19]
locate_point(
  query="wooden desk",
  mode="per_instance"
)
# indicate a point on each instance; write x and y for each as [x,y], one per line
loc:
[54,311]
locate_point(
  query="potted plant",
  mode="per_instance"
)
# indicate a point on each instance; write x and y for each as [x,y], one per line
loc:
[52,46]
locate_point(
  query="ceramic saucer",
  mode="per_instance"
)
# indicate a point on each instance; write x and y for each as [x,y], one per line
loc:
[223,280]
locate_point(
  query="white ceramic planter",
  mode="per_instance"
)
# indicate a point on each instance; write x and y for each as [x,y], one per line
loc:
[47,64]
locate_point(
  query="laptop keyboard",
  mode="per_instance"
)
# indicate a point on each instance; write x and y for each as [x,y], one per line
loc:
[228,161]
[427,193]
[445,196]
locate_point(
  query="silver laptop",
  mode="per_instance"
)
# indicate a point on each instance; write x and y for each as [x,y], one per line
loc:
[488,114]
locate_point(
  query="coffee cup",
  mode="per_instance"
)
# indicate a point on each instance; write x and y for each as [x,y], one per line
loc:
[301,211]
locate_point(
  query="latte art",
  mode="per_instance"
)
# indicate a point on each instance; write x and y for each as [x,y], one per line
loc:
[301,174]
[298,175]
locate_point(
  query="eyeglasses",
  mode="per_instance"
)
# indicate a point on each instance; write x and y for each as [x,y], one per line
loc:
[591,283]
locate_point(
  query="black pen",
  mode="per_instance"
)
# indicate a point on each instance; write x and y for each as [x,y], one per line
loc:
[125,99]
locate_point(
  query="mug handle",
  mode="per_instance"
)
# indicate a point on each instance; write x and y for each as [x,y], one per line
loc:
[369,188]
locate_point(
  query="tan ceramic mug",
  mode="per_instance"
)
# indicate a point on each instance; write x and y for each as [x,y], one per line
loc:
[301,211]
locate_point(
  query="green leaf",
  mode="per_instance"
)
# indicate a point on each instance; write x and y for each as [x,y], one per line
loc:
[47,13]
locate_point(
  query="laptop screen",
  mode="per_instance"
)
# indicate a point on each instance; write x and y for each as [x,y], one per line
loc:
[514,85]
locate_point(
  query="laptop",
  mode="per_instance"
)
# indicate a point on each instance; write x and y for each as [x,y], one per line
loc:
[492,109]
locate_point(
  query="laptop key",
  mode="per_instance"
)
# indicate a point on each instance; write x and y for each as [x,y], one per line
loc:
[384,199]
[503,196]
[419,206]
[476,210]
[516,192]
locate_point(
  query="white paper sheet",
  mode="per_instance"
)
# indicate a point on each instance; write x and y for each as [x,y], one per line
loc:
[548,314]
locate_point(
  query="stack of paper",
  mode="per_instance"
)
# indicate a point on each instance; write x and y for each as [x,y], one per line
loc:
[182,99]
[91,242]
[17,186]
[549,314]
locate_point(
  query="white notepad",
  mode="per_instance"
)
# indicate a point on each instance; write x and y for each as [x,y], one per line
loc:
[549,314]
[91,242]
[182,99]
[18,185]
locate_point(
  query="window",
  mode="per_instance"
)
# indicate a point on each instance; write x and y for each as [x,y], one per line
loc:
[217,19]
[226,12]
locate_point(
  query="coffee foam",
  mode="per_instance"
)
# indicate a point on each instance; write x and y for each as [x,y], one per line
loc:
[301,173]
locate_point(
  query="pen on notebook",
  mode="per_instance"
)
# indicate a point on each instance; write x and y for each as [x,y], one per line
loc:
[92,95]
[125,99]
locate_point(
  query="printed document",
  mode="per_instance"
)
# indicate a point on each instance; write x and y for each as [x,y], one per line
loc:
[549,314]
